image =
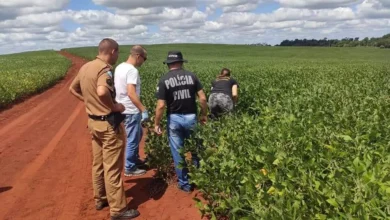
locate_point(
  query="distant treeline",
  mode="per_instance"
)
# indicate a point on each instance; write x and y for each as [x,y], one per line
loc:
[382,42]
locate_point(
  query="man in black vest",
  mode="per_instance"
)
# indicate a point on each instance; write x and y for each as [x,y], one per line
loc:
[177,90]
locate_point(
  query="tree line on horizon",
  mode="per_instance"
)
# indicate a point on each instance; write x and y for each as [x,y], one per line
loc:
[381,42]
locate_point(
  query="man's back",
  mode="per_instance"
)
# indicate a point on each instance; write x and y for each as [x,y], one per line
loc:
[92,74]
[125,74]
[179,89]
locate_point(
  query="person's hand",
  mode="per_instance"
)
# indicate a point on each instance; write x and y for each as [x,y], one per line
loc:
[157,129]
[118,107]
[203,119]
[145,116]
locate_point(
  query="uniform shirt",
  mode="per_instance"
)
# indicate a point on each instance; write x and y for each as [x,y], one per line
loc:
[125,74]
[91,75]
[179,89]
[223,85]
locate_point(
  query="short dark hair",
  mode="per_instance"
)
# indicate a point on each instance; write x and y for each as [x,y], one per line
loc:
[223,74]
[108,44]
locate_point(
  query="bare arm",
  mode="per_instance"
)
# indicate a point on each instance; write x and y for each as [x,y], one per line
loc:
[131,92]
[76,94]
[105,96]
[203,102]
[159,112]
[75,88]
[235,93]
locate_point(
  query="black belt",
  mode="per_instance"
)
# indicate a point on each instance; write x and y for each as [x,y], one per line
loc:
[114,119]
[97,117]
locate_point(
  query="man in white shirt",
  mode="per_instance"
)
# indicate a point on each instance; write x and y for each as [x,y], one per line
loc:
[127,83]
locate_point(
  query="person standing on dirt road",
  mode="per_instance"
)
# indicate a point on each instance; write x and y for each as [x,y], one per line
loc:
[177,90]
[127,83]
[94,86]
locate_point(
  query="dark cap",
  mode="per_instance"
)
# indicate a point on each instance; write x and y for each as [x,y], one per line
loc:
[174,56]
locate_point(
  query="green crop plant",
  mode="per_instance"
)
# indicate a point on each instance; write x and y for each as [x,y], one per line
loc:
[309,137]
[24,74]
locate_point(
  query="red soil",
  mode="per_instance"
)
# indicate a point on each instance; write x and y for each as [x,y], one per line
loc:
[45,163]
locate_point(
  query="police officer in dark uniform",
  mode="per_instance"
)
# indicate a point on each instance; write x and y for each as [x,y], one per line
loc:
[94,86]
[178,90]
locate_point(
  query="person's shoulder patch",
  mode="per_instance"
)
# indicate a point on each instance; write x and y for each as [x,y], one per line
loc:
[109,78]
[109,73]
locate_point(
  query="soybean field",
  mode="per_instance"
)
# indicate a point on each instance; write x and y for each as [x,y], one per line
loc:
[27,73]
[309,138]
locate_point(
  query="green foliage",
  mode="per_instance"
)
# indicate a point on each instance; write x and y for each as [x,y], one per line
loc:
[381,42]
[309,139]
[26,73]
[310,147]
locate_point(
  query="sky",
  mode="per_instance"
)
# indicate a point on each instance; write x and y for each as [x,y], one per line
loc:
[27,25]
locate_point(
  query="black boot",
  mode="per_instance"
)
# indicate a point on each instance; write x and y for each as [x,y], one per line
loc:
[129,214]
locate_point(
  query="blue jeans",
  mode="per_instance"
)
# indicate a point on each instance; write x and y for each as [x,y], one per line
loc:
[180,127]
[134,134]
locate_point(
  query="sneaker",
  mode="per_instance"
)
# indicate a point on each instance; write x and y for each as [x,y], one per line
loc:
[101,205]
[129,214]
[185,189]
[135,172]
[140,162]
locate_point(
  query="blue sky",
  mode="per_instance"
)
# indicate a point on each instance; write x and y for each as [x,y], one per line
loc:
[47,24]
[84,5]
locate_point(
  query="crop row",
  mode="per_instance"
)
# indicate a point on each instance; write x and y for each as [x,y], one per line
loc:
[27,73]
[309,138]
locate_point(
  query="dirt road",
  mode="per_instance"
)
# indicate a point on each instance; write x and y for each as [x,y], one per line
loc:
[45,164]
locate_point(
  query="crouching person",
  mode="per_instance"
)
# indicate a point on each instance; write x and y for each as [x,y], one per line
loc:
[224,94]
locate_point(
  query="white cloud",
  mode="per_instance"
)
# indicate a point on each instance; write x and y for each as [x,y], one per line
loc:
[140,11]
[316,4]
[179,17]
[10,9]
[213,26]
[236,2]
[21,37]
[287,25]
[339,14]
[93,34]
[210,9]
[132,4]
[46,27]
[101,19]
[374,9]
[314,24]
[156,6]
[246,7]
[192,20]
[237,5]
[40,24]
[34,20]
[385,3]
[288,14]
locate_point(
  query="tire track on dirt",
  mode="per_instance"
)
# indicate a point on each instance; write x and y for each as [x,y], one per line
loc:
[30,125]
[28,174]
[24,123]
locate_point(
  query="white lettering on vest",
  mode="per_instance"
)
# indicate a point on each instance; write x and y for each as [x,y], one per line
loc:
[178,81]
[181,94]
